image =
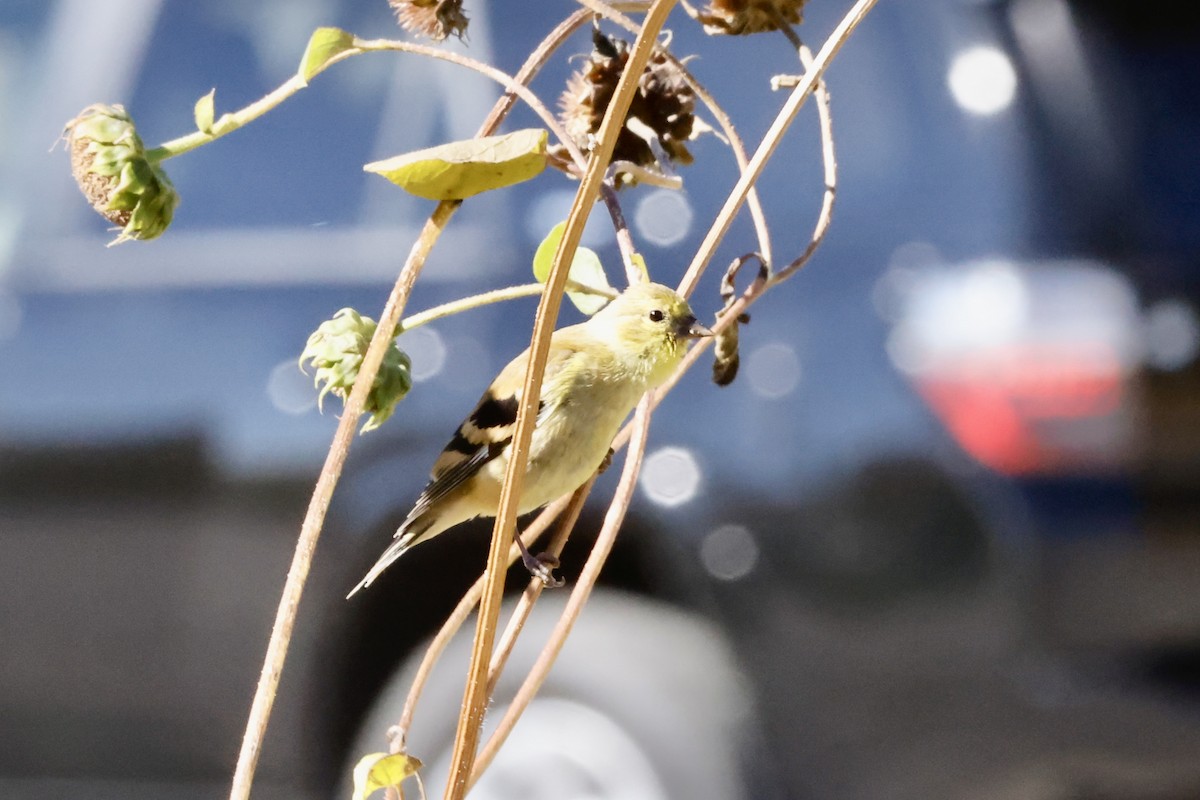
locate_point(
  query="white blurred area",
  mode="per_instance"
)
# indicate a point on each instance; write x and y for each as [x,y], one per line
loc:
[1030,366]
[663,217]
[427,350]
[289,389]
[982,80]
[773,370]
[670,476]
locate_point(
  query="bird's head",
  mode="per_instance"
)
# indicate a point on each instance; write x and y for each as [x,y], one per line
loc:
[651,323]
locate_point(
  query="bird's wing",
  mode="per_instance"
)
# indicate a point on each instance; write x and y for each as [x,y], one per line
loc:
[488,430]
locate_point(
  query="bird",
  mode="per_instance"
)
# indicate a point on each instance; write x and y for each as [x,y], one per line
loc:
[596,373]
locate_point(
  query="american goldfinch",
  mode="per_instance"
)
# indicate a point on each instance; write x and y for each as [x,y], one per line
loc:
[596,373]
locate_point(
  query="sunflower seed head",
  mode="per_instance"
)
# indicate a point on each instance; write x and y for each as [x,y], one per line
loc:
[110,167]
[435,19]
[743,17]
[664,103]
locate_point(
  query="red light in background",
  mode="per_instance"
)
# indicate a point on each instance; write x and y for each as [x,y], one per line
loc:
[1015,409]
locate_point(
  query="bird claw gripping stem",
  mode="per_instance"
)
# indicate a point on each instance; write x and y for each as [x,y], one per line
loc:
[541,566]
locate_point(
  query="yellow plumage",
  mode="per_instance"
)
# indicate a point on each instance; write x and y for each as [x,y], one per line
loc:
[596,373]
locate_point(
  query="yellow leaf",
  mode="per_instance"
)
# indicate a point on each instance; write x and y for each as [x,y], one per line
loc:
[203,112]
[461,169]
[324,45]
[586,270]
[380,771]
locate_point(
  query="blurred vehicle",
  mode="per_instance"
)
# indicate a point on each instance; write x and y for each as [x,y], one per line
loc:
[939,539]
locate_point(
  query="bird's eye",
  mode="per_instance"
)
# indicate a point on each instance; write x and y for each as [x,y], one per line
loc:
[656,315]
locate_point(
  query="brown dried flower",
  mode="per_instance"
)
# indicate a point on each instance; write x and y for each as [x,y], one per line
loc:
[742,17]
[664,105]
[435,19]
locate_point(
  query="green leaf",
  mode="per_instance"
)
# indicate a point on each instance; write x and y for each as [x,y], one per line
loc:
[461,169]
[380,771]
[203,112]
[586,269]
[324,45]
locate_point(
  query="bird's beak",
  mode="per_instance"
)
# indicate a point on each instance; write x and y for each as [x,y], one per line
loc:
[689,328]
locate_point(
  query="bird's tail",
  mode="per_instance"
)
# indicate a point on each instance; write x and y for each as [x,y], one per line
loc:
[405,538]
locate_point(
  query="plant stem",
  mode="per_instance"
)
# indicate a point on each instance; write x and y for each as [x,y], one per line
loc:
[634,272]
[489,298]
[510,83]
[581,592]
[310,529]
[475,696]
[456,619]
[829,165]
[757,215]
[227,123]
[771,141]
[533,591]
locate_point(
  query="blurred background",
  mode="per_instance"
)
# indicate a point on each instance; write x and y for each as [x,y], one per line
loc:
[939,539]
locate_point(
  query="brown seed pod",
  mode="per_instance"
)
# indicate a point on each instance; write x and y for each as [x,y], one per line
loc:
[726,360]
[663,103]
[743,17]
[435,19]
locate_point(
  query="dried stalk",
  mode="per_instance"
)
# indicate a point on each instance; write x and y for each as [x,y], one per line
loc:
[829,165]
[599,555]
[636,431]
[771,140]
[475,697]
[581,592]
[757,215]
[533,591]
[510,83]
[455,621]
[488,298]
[314,519]
[634,272]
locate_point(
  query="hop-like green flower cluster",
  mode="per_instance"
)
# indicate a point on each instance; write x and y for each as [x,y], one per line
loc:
[335,351]
[110,166]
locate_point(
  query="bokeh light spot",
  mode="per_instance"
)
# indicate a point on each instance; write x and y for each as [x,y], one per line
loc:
[729,552]
[982,80]
[289,389]
[671,476]
[664,217]
[773,370]
[427,350]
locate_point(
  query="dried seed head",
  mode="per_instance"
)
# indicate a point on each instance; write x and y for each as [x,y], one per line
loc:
[742,17]
[435,19]
[110,167]
[335,351]
[725,356]
[663,103]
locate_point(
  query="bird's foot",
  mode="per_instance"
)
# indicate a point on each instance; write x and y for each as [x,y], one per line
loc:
[542,567]
[606,463]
